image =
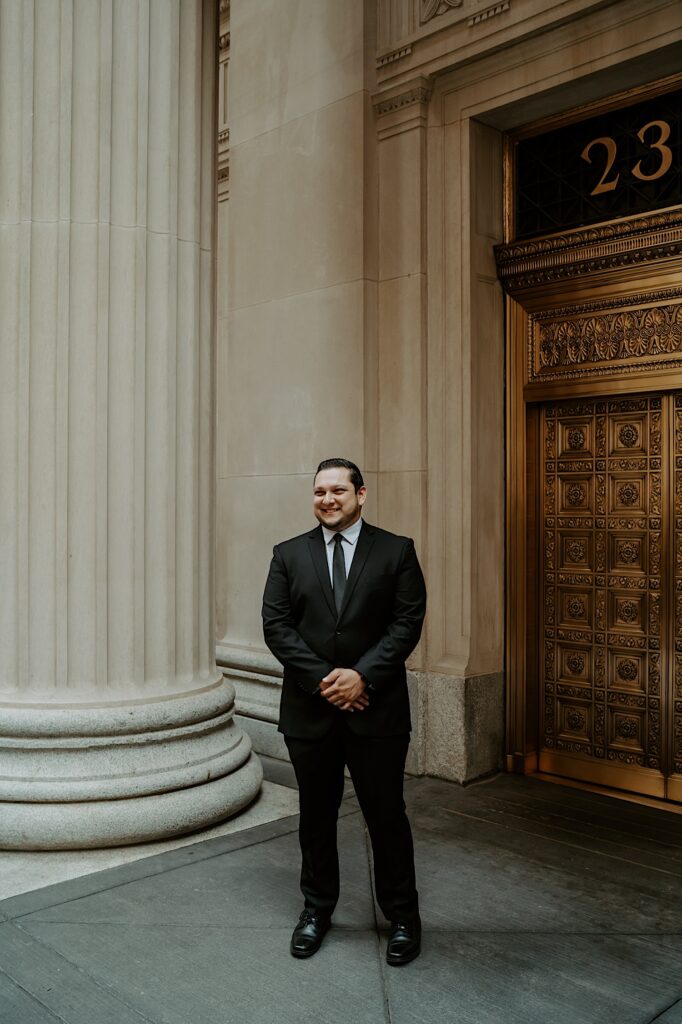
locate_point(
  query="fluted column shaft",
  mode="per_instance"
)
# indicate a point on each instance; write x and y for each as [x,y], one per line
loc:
[108,685]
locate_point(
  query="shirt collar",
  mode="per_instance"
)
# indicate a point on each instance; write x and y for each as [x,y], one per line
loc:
[350,534]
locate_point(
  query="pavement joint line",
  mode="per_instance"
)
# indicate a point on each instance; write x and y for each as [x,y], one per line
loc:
[111,992]
[92,890]
[375,928]
[151,874]
[382,967]
[676,1002]
[560,842]
[34,998]
[265,927]
[187,862]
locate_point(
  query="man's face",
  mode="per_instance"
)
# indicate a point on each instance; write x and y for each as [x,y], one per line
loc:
[336,503]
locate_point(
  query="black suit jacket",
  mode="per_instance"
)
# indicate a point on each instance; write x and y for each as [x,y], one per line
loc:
[378,626]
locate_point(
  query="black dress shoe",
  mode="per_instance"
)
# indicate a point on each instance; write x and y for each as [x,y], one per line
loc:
[308,933]
[404,943]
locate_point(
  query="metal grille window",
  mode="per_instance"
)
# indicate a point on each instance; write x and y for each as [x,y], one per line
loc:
[620,163]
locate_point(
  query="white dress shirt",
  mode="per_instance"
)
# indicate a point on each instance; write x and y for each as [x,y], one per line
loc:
[348,544]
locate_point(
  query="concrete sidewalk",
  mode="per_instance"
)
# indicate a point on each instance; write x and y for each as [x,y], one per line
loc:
[541,905]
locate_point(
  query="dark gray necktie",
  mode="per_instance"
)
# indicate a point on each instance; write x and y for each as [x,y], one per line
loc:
[338,572]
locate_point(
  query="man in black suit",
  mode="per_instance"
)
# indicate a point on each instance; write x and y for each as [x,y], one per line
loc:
[342,610]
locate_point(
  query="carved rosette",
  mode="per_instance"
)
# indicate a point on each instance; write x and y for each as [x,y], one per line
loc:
[628,435]
[627,670]
[628,552]
[575,663]
[576,608]
[576,438]
[627,728]
[576,551]
[575,720]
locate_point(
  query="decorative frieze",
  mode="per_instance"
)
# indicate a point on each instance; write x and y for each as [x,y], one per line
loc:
[584,251]
[586,340]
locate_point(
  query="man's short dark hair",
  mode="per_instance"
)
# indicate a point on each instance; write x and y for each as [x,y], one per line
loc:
[355,474]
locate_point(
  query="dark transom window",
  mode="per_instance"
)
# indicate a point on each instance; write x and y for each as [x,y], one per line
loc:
[619,163]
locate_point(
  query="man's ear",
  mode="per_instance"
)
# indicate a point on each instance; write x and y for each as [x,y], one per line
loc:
[362,494]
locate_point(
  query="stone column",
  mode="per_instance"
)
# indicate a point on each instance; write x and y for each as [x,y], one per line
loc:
[115,725]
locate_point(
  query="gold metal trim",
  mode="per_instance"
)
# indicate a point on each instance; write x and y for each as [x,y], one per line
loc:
[585,251]
[649,782]
[618,794]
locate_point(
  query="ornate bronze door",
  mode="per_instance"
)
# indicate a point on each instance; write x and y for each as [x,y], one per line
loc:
[594,449]
[611,598]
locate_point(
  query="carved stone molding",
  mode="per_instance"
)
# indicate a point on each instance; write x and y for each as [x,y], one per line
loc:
[432,8]
[394,55]
[489,12]
[403,107]
[223,127]
[640,239]
[413,95]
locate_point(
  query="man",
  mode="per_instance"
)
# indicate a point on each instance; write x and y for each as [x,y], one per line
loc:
[342,610]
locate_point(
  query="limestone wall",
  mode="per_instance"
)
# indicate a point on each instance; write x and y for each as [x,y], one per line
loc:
[360,309]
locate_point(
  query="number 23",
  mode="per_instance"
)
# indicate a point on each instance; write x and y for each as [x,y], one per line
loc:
[609,144]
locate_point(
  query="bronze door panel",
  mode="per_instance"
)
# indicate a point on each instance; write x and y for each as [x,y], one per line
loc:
[605,714]
[675,689]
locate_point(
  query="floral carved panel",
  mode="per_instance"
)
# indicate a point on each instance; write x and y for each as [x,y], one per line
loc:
[588,341]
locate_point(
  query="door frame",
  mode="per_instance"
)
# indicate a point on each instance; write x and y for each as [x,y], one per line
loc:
[616,264]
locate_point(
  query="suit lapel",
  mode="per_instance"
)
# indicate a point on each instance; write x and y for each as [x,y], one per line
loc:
[363,548]
[319,557]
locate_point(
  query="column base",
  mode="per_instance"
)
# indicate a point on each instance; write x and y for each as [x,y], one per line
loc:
[111,775]
[99,823]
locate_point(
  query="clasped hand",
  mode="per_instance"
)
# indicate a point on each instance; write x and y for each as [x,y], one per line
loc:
[345,688]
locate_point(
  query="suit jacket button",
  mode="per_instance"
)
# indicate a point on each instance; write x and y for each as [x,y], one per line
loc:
[338,632]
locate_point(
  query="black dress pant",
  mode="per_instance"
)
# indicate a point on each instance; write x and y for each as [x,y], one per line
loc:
[376,765]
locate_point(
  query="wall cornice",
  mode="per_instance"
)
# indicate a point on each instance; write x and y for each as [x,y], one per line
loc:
[403,107]
[418,39]
[633,240]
